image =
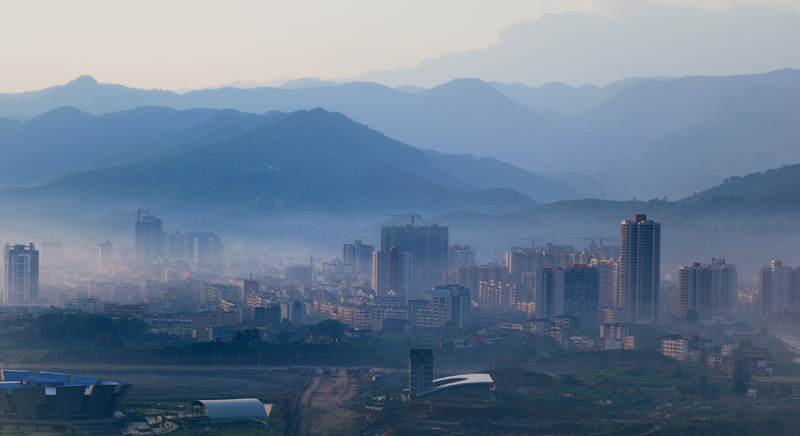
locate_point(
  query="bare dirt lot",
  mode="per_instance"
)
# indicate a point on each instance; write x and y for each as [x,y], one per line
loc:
[327,407]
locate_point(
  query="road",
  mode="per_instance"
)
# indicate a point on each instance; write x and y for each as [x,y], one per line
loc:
[327,406]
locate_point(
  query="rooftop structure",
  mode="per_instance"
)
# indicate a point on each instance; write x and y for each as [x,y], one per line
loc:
[233,410]
[57,402]
[462,386]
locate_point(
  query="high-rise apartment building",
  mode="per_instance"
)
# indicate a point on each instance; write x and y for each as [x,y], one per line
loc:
[149,238]
[429,246]
[21,268]
[203,249]
[639,270]
[460,255]
[571,291]
[520,260]
[777,289]
[710,289]
[392,270]
[105,253]
[607,269]
[451,304]
[358,257]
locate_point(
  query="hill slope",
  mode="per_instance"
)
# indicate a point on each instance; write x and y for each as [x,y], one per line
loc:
[302,161]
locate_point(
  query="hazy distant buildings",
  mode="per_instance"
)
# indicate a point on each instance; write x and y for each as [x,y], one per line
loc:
[521,260]
[607,272]
[639,269]
[710,289]
[21,269]
[105,253]
[358,257]
[203,249]
[460,255]
[149,238]
[778,287]
[429,248]
[392,270]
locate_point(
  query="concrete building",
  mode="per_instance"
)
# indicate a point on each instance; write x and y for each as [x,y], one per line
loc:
[572,291]
[451,304]
[359,258]
[710,289]
[777,288]
[607,271]
[150,239]
[294,311]
[203,249]
[460,255]
[21,274]
[612,336]
[429,247]
[392,270]
[639,270]
[268,317]
[420,371]
[497,295]
[691,348]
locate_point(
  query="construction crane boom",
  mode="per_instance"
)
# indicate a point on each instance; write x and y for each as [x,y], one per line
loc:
[594,238]
[412,216]
[533,240]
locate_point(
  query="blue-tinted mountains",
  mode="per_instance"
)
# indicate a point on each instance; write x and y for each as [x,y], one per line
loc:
[240,173]
[642,137]
[67,141]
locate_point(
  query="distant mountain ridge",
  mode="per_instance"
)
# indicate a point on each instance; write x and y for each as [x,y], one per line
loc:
[302,161]
[641,137]
[66,141]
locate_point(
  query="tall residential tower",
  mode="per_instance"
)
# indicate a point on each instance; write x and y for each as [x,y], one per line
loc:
[150,239]
[639,270]
[21,268]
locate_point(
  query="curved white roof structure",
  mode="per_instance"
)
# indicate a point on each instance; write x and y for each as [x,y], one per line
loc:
[233,409]
[466,379]
[462,385]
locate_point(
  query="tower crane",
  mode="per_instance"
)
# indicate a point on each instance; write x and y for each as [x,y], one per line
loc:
[532,239]
[595,238]
[311,260]
[412,216]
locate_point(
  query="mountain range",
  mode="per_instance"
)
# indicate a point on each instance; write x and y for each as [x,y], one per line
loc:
[309,175]
[640,137]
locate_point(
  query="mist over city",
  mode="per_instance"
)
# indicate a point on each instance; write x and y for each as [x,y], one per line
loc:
[400,218]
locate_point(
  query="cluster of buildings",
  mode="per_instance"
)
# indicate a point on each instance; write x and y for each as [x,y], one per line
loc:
[727,357]
[415,277]
[438,307]
[203,250]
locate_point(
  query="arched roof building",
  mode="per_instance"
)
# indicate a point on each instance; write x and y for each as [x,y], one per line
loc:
[245,408]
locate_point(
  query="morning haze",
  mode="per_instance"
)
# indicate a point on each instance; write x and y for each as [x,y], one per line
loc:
[400,218]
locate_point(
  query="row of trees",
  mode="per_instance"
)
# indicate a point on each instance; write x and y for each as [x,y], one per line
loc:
[69,327]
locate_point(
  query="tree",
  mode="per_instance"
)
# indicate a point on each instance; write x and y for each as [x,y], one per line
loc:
[740,380]
[331,328]
[692,316]
[247,336]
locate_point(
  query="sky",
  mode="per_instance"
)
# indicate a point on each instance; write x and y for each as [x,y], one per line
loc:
[203,43]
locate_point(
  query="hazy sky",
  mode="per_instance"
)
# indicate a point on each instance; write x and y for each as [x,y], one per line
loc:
[201,43]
